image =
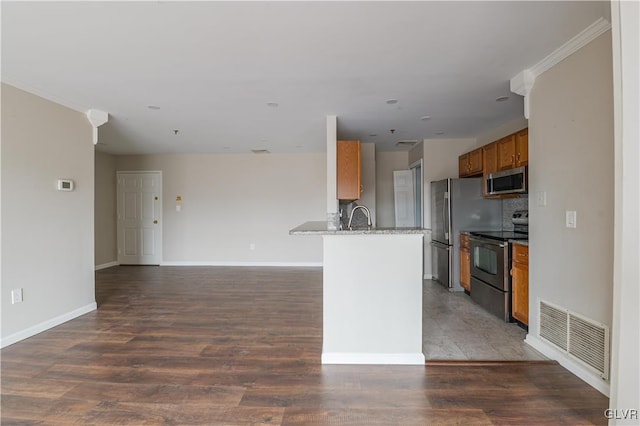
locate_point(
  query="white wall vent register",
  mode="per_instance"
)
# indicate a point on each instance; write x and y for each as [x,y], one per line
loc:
[581,338]
[65,185]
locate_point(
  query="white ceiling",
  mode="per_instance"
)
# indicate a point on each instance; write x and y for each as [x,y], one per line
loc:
[212,67]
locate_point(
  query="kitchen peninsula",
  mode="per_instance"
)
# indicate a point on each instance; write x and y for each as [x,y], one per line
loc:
[372,294]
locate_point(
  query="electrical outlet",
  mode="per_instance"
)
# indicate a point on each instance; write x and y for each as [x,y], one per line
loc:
[16,296]
[571,219]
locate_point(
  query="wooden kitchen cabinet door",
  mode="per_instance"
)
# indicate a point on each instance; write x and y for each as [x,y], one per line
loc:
[463,165]
[490,158]
[522,148]
[470,164]
[507,152]
[465,262]
[520,284]
[475,162]
[349,170]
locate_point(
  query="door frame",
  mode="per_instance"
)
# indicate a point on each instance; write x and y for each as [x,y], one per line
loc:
[418,195]
[159,235]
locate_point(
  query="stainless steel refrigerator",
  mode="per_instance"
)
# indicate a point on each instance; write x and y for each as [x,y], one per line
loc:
[457,205]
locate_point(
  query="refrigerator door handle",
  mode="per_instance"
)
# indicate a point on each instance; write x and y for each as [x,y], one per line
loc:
[445,215]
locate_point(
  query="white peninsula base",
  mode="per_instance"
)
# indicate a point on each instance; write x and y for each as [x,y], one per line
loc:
[372,295]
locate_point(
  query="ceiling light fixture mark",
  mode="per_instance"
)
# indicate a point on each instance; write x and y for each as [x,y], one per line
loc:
[502,98]
[391,101]
[260,151]
[425,117]
[272,104]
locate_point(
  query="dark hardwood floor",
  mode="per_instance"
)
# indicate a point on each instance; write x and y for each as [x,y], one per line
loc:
[239,346]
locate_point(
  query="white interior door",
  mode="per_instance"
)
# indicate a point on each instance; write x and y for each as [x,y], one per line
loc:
[403,195]
[139,224]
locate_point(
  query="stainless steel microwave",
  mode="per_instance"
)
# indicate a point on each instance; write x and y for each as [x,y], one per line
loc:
[512,181]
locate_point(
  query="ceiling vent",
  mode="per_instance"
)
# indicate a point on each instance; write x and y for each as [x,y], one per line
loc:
[260,151]
[407,143]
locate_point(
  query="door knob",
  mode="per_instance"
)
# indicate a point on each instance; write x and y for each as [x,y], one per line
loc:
[155,222]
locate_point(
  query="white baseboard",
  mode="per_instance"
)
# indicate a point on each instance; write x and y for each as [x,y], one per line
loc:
[107,265]
[570,364]
[229,263]
[370,358]
[46,325]
[427,276]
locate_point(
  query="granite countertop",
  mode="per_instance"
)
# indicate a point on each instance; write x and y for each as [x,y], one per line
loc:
[322,228]
[521,242]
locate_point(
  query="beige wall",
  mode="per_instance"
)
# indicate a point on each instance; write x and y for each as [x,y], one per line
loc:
[416,153]
[571,158]
[502,131]
[386,163]
[47,235]
[234,200]
[106,250]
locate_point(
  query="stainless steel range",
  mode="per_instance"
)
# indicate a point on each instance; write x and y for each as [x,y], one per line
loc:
[490,264]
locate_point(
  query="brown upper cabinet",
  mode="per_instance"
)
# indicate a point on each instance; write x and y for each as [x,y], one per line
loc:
[506,153]
[513,150]
[470,164]
[349,170]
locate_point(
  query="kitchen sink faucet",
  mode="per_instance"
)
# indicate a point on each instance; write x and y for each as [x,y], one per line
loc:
[366,212]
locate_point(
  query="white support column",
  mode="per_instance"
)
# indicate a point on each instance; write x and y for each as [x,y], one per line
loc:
[522,84]
[332,165]
[625,345]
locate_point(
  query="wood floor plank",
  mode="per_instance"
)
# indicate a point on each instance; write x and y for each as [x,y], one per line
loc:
[384,417]
[325,397]
[153,414]
[547,416]
[227,396]
[240,346]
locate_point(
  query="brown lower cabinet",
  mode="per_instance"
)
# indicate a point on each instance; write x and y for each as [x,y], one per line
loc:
[465,262]
[520,283]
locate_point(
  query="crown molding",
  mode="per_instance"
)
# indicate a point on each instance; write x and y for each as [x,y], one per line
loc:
[523,82]
[583,38]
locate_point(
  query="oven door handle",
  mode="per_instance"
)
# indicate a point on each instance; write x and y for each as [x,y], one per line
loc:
[484,243]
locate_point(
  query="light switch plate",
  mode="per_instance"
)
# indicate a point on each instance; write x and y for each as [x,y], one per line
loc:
[16,296]
[571,218]
[541,198]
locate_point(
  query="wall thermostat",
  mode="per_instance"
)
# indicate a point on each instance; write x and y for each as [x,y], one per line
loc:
[65,185]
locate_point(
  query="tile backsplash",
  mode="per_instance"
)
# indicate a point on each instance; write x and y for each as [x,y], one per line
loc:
[510,205]
[359,217]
